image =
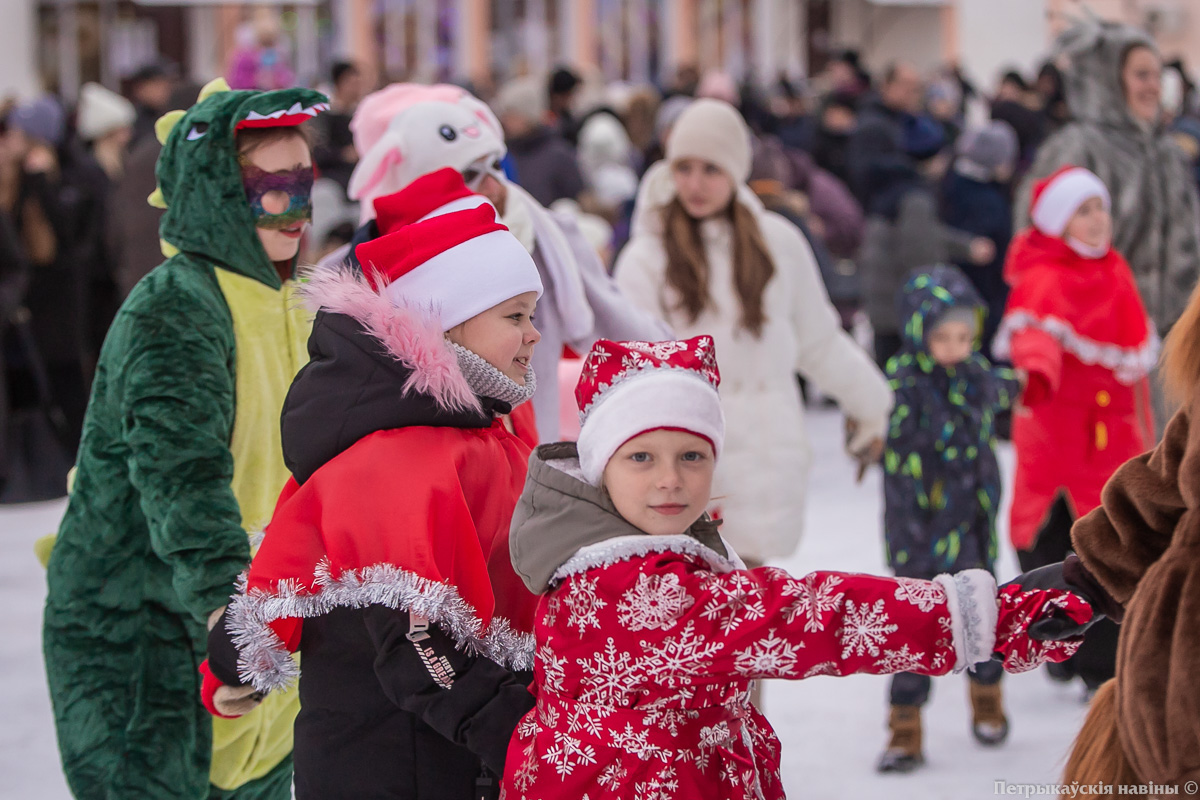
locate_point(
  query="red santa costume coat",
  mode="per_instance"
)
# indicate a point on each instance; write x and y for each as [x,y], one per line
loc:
[647,646]
[1078,327]
[413,518]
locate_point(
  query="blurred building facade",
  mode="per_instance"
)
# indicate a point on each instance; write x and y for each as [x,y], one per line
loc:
[58,44]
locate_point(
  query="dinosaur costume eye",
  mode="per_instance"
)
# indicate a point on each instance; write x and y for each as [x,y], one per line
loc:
[198,130]
[448,133]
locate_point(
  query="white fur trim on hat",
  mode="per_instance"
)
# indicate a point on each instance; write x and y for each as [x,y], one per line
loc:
[468,279]
[1063,197]
[656,398]
[713,131]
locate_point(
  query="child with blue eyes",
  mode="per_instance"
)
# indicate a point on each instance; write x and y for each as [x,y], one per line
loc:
[650,630]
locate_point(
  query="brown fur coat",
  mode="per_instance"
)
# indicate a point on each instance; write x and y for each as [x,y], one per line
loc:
[1143,545]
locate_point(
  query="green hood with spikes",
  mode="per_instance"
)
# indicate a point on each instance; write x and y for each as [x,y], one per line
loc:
[200,180]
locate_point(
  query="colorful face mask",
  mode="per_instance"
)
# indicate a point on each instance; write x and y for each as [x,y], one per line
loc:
[278,199]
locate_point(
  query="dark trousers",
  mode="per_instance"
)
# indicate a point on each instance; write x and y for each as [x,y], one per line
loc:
[1096,660]
[911,689]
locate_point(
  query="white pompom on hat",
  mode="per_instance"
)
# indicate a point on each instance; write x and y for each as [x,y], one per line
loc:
[1058,196]
[712,130]
[630,388]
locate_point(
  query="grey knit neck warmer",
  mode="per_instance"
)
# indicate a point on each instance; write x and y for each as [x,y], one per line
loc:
[487,381]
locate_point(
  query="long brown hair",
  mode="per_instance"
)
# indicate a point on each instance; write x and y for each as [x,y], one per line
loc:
[688,270]
[1097,756]
[1181,353]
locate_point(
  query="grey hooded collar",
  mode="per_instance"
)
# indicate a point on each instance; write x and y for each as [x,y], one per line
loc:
[1095,49]
[559,514]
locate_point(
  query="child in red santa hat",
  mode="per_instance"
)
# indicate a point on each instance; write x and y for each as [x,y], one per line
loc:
[1076,325]
[650,630]
[386,562]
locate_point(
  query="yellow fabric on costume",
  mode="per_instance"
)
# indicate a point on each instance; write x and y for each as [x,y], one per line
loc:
[271,330]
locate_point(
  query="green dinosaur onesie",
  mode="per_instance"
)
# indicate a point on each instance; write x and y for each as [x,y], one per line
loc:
[180,459]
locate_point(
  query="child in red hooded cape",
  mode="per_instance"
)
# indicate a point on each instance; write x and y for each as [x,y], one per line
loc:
[1076,324]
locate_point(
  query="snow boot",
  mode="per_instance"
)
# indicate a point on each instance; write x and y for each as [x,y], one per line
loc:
[903,753]
[988,722]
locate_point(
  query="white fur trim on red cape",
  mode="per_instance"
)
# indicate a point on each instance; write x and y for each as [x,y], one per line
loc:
[265,661]
[1130,365]
[411,337]
[624,548]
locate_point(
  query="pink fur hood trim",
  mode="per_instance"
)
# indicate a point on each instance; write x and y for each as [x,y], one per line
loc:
[411,336]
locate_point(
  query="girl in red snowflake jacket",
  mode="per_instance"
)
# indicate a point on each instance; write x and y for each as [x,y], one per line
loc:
[650,631]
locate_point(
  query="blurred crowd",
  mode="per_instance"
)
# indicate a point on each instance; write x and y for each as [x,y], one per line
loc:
[883,173]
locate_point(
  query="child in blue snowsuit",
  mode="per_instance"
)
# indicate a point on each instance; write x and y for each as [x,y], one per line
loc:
[941,479]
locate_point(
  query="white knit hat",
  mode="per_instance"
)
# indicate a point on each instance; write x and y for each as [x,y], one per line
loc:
[630,388]
[1057,197]
[712,130]
[101,112]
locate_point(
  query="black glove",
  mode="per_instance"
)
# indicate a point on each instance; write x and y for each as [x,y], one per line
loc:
[1072,576]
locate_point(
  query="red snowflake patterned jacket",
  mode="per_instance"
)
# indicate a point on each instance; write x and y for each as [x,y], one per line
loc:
[648,645]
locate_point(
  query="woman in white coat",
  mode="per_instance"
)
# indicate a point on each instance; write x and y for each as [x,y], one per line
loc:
[709,259]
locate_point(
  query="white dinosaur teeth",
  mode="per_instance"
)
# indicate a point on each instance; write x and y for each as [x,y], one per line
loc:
[296,108]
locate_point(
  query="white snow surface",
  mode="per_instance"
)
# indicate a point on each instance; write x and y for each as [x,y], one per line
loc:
[832,729]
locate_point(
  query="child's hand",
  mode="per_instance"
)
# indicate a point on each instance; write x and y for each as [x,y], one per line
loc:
[1058,614]
[224,701]
[864,445]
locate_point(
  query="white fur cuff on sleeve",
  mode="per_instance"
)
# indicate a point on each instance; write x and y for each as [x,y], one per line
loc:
[973,615]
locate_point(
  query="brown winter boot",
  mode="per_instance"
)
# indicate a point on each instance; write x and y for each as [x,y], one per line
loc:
[903,753]
[988,722]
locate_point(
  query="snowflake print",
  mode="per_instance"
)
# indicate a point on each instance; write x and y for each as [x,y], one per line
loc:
[655,603]
[613,776]
[660,350]
[548,717]
[864,628]
[634,362]
[527,727]
[735,599]
[568,753]
[662,786]
[609,677]
[526,774]
[824,668]
[552,607]
[636,743]
[813,601]
[900,660]
[553,668]
[668,717]
[678,657]
[922,594]
[770,656]
[583,604]
[587,718]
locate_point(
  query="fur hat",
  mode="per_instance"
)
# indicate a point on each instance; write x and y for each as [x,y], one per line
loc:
[712,130]
[630,388]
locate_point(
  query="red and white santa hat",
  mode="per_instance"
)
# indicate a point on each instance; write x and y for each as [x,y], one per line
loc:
[630,388]
[440,192]
[1058,196]
[457,265]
